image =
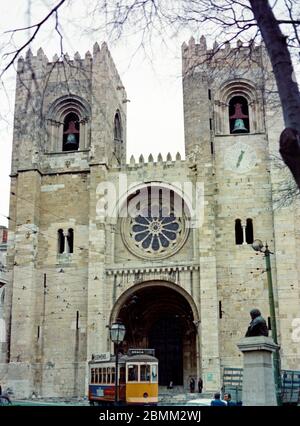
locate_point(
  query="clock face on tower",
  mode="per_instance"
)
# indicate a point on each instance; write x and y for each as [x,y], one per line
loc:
[240,158]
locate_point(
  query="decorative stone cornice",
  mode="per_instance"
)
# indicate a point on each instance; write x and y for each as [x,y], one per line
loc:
[151,269]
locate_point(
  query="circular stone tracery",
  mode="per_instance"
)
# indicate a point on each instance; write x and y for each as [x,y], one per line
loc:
[154,232]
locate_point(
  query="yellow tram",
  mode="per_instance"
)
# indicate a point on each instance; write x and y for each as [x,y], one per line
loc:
[137,378]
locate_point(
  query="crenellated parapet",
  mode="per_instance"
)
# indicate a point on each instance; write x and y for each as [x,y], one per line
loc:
[38,66]
[198,54]
[158,161]
[151,161]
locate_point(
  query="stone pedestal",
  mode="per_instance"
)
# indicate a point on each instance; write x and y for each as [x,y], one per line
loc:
[258,377]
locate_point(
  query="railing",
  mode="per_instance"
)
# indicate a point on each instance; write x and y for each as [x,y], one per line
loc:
[290,387]
[233,383]
[290,390]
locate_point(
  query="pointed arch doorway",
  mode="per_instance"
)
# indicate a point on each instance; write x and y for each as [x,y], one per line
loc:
[161,315]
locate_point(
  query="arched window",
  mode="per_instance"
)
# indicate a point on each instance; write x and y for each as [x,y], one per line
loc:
[60,241]
[70,241]
[117,127]
[249,231]
[118,138]
[239,115]
[65,241]
[71,132]
[238,91]
[68,124]
[238,232]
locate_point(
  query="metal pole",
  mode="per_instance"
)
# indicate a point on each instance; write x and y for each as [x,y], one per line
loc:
[276,355]
[116,375]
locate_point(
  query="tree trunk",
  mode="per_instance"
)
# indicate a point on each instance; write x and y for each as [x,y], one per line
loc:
[288,90]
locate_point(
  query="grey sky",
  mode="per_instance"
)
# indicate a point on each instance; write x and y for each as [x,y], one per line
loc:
[154,88]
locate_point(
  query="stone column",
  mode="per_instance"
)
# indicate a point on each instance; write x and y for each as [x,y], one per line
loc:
[258,379]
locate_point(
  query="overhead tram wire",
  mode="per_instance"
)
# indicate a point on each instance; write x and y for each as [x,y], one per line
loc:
[69,304]
[62,271]
[66,267]
[57,297]
[60,218]
[63,297]
[53,275]
[125,259]
[49,273]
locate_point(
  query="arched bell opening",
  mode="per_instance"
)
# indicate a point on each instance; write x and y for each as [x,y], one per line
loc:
[157,316]
[239,115]
[68,124]
[71,132]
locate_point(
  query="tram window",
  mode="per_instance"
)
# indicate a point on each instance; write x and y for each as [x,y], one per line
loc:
[133,373]
[145,373]
[122,375]
[93,376]
[108,375]
[104,375]
[113,375]
[100,375]
[154,373]
[96,375]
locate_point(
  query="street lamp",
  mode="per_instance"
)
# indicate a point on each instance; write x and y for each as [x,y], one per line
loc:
[258,246]
[117,334]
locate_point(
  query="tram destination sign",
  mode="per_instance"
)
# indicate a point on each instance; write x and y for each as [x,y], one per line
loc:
[105,356]
[140,351]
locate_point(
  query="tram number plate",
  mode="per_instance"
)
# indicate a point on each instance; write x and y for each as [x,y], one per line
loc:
[100,392]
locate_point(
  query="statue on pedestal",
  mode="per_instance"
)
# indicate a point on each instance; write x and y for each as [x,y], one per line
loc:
[258,325]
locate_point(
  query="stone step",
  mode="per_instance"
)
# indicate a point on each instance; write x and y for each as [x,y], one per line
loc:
[179,394]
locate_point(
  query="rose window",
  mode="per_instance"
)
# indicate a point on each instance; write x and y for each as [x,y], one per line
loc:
[155,234]
[155,227]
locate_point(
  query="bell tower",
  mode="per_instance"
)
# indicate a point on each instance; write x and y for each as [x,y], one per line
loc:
[232,124]
[69,131]
[67,108]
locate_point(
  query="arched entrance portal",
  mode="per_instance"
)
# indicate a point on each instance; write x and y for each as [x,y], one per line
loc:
[162,316]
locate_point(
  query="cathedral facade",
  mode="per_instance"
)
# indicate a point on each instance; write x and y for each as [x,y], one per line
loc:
[164,245]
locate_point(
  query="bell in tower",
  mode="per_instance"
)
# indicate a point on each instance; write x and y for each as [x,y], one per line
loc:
[71,135]
[239,120]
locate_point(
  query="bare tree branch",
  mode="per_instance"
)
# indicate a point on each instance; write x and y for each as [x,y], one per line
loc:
[37,28]
[248,19]
[292,22]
